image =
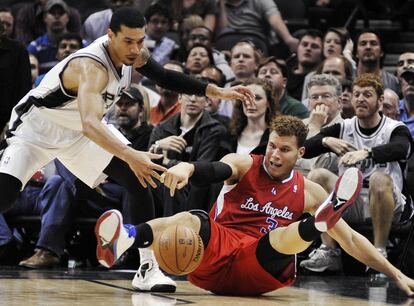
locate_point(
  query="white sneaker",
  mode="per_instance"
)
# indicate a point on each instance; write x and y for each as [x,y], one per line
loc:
[323,259]
[150,278]
[113,237]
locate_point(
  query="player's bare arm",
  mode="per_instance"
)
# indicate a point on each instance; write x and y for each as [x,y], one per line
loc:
[88,78]
[230,169]
[360,248]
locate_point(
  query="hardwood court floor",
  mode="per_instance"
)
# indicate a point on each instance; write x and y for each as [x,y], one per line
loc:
[86,287]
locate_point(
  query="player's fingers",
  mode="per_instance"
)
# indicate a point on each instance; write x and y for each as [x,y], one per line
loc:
[173,186]
[162,178]
[156,175]
[157,167]
[167,181]
[141,181]
[181,184]
[151,181]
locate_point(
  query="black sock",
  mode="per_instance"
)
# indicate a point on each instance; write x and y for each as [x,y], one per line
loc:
[144,236]
[307,229]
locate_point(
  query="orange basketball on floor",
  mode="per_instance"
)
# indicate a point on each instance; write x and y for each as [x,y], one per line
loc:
[179,250]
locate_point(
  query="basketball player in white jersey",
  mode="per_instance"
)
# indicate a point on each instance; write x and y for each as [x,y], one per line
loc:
[61,118]
[379,147]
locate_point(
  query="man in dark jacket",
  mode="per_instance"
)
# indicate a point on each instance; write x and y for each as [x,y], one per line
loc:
[15,76]
[191,135]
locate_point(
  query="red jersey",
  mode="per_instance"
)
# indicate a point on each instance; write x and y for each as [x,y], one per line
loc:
[259,204]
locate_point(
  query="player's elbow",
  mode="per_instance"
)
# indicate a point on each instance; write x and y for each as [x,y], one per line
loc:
[88,126]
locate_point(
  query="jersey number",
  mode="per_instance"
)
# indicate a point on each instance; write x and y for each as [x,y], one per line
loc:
[272,225]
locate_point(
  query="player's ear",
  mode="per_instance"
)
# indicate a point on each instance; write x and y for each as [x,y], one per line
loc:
[301,152]
[110,33]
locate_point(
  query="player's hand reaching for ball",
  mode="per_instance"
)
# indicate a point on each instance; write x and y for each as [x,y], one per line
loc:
[177,177]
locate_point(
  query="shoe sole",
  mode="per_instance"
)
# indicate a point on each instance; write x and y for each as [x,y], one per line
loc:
[347,189]
[158,288]
[108,225]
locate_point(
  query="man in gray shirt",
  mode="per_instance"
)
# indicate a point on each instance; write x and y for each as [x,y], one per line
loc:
[259,16]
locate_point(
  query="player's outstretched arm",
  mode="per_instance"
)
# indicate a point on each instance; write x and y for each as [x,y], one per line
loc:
[89,78]
[360,248]
[230,169]
[182,83]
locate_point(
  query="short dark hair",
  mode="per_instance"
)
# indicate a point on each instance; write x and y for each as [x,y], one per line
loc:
[375,32]
[222,80]
[281,64]
[127,16]
[209,52]
[157,8]
[70,36]
[312,33]
[290,126]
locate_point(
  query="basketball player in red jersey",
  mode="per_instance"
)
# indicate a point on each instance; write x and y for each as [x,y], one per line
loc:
[252,234]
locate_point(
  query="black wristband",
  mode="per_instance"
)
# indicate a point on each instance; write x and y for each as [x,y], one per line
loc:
[206,173]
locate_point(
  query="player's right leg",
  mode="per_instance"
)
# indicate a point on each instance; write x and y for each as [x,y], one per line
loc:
[114,237]
[297,237]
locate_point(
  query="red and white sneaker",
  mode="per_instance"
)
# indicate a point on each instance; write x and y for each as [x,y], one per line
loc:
[347,189]
[113,237]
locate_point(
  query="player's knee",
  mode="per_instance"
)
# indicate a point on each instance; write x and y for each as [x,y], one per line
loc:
[9,190]
[321,176]
[380,184]
[187,219]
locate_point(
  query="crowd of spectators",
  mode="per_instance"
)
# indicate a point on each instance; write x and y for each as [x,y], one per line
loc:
[223,42]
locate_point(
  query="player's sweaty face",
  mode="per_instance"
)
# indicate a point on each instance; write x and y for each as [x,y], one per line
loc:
[127,43]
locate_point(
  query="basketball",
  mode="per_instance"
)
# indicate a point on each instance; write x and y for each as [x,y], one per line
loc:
[179,250]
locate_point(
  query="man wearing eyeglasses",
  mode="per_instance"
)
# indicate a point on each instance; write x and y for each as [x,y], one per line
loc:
[379,146]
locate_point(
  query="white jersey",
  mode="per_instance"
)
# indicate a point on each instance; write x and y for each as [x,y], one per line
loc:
[351,132]
[58,105]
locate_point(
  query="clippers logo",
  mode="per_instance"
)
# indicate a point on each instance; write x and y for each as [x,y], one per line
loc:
[274,191]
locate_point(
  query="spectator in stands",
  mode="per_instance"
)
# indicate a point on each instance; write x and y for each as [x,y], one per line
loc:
[405,61]
[249,126]
[274,71]
[30,20]
[97,24]
[214,75]
[334,41]
[309,56]
[67,44]
[14,76]
[390,106]
[251,19]
[206,9]
[202,35]
[199,57]
[369,53]
[34,68]
[378,146]
[244,60]
[406,107]
[159,23]
[346,100]
[7,19]
[190,135]
[56,18]
[325,104]
[169,103]
[184,29]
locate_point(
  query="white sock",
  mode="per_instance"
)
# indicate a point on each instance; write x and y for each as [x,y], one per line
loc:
[147,254]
